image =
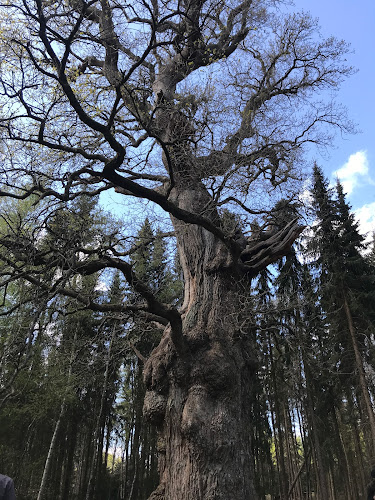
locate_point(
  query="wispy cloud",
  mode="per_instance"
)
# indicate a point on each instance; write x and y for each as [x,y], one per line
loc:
[354,172]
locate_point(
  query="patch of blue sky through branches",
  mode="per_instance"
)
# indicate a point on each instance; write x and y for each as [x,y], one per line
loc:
[350,157]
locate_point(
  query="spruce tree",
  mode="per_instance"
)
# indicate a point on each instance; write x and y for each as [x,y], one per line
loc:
[345,282]
[266,470]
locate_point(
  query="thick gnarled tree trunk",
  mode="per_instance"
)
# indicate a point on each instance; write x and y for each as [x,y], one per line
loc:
[198,391]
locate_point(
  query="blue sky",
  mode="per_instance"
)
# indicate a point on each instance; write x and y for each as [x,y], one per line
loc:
[353,157]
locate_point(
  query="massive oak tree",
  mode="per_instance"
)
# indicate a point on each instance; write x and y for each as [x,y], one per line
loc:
[202,109]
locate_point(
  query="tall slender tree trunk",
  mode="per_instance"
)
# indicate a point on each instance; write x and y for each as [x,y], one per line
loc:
[360,466]
[48,463]
[345,479]
[332,485]
[360,370]
[320,468]
[98,441]
[69,462]
[278,436]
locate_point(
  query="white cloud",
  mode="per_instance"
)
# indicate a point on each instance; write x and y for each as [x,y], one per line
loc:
[366,218]
[354,172]
[305,197]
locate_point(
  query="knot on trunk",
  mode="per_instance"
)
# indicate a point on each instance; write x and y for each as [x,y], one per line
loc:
[213,370]
[154,407]
[155,372]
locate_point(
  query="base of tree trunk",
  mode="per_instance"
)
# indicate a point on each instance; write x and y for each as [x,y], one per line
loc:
[201,405]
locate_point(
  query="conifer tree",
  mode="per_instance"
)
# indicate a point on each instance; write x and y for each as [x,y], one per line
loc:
[344,284]
[267,479]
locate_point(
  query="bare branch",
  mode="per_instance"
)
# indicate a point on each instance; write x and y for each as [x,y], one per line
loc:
[257,256]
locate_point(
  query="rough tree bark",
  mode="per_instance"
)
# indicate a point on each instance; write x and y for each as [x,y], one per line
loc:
[199,395]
